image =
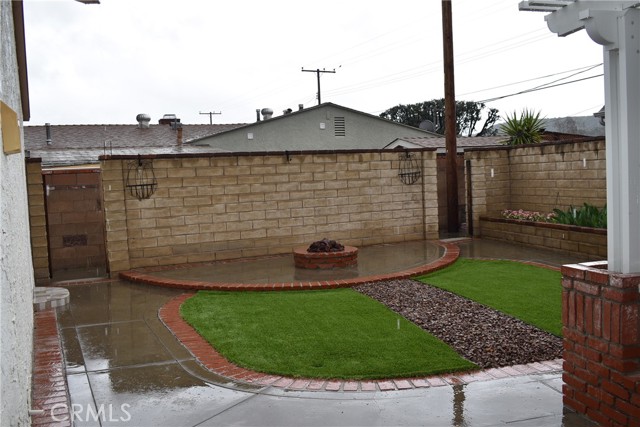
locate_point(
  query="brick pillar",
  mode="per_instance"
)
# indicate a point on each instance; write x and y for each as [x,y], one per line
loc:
[600,315]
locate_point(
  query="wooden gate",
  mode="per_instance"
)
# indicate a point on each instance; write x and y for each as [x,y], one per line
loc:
[75,224]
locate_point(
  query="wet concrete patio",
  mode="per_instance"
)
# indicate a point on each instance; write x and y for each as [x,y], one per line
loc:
[125,366]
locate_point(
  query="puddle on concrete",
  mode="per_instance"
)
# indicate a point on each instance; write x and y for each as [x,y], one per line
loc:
[372,260]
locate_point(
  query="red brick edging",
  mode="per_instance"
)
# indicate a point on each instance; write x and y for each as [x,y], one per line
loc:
[452,252]
[204,352]
[212,360]
[49,391]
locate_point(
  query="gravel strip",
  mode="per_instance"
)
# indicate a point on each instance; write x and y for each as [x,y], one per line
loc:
[486,337]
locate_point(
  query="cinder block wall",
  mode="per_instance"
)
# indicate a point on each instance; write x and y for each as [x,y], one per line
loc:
[537,177]
[215,207]
[37,221]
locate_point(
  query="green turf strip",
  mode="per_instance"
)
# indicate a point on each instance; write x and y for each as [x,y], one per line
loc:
[338,334]
[529,293]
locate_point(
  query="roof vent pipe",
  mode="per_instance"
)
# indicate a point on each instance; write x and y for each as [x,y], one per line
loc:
[267,113]
[48,128]
[300,107]
[143,121]
[257,114]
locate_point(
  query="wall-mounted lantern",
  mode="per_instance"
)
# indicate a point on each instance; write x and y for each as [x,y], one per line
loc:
[409,168]
[141,180]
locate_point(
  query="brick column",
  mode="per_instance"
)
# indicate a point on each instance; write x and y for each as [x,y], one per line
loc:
[600,315]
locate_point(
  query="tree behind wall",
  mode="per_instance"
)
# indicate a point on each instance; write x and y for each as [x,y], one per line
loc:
[468,115]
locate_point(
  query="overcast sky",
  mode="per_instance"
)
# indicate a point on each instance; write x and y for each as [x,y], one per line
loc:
[104,64]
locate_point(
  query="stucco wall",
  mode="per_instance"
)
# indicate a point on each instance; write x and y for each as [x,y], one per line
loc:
[16,271]
[230,206]
[537,177]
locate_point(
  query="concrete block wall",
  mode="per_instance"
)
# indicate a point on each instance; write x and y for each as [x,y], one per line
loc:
[537,177]
[216,207]
[490,183]
[37,221]
[601,329]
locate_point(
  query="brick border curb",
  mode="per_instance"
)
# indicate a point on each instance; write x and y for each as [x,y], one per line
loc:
[452,252]
[208,357]
[49,391]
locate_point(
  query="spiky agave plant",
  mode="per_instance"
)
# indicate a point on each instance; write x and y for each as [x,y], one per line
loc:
[526,129]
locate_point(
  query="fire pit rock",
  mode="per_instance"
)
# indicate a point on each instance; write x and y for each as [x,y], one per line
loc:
[325,254]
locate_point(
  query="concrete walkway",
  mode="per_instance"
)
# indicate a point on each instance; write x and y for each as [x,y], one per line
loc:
[124,367]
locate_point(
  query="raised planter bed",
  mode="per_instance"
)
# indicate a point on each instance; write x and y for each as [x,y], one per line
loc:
[325,260]
[591,242]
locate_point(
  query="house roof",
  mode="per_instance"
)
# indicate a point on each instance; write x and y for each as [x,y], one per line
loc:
[83,144]
[440,142]
[307,110]
[116,136]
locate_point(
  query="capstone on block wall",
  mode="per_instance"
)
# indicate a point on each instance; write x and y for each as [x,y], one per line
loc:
[220,207]
[38,221]
[537,177]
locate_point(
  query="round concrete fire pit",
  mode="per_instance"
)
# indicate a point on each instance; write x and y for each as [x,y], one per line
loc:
[325,260]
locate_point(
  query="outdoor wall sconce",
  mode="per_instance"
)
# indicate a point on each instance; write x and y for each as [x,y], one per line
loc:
[409,169]
[141,180]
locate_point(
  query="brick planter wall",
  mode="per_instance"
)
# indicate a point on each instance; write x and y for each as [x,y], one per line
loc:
[601,328]
[591,242]
[325,260]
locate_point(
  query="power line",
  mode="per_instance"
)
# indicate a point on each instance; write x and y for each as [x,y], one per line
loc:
[210,114]
[586,68]
[318,71]
[539,88]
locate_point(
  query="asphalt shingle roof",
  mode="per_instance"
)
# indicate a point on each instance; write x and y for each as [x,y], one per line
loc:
[82,144]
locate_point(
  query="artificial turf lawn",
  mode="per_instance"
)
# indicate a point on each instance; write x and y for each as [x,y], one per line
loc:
[338,334]
[529,293]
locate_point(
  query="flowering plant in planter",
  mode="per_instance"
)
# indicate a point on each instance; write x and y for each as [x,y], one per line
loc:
[528,215]
[585,216]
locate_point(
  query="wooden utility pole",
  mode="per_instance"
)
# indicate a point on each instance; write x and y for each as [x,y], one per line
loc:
[318,71]
[450,119]
[210,114]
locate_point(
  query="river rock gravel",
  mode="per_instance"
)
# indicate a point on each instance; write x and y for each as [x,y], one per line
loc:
[488,338]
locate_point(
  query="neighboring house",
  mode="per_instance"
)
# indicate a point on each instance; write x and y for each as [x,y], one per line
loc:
[571,126]
[72,145]
[439,142]
[16,277]
[323,127]
[584,125]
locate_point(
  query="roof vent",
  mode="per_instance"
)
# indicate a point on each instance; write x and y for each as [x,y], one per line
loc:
[143,121]
[48,129]
[267,113]
[168,119]
[287,111]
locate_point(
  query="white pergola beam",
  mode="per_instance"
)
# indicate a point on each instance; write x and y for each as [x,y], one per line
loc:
[542,6]
[616,26]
